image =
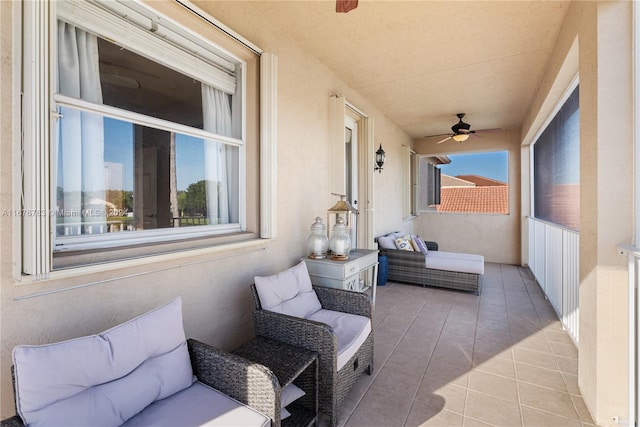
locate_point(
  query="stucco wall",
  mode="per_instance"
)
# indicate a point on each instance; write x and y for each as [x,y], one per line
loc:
[596,41]
[495,236]
[214,286]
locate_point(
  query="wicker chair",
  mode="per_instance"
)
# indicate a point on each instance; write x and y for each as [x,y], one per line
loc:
[333,384]
[247,382]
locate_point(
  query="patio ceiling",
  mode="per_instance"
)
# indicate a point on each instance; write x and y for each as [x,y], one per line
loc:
[421,62]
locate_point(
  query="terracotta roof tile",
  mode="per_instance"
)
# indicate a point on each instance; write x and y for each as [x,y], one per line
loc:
[481,181]
[474,199]
[452,181]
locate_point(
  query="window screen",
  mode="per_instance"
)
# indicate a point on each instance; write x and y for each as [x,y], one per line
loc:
[556,168]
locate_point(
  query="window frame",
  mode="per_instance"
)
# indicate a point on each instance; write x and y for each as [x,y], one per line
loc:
[443,160]
[575,82]
[36,23]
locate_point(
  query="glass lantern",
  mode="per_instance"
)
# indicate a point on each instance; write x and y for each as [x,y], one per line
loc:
[342,209]
[317,242]
[340,242]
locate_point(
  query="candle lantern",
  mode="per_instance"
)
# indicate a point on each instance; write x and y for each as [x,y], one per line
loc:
[340,242]
[317,242]
[343,209]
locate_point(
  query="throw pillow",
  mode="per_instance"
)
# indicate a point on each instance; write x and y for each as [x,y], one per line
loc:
[412,240]
[387,242]
[422,246]
[403,244]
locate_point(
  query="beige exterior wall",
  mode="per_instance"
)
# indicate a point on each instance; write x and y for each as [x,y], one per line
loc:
[596,40]
[214,285]
[495,236]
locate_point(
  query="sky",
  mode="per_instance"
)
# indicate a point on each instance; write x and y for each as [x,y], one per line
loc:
[494,165]
[119,150]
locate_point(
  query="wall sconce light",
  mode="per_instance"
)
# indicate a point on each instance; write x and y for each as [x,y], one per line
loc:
[380,157]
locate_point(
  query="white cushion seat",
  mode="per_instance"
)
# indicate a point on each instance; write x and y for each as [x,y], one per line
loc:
[198,405]
[350,329]
[453,261]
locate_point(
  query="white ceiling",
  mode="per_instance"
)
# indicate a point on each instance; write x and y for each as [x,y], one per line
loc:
[421,62]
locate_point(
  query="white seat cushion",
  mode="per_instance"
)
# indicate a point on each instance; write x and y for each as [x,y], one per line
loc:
[288,292]
[198,405]
[452,261]
[351,330]
[457,255]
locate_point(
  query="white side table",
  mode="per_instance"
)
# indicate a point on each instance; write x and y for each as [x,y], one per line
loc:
[346,274]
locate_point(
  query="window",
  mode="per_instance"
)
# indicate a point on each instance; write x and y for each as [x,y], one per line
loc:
[556,167]
[429,183]
[151,139]
[470,183]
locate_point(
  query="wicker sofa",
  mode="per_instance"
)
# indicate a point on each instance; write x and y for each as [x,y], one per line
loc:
[142,372]
[450,270]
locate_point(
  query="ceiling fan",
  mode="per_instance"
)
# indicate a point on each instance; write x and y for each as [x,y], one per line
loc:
[461,131]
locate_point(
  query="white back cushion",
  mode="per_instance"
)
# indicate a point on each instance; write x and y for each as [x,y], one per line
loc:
[387,242]
[104,379]
[288,292]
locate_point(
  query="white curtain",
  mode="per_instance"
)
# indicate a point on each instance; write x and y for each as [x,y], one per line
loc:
[80,141]
[220,160]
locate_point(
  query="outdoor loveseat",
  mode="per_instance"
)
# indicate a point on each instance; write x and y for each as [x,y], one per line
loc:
[427,266]
[143,372]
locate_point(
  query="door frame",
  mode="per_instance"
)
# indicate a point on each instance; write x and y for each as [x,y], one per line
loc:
[339,109]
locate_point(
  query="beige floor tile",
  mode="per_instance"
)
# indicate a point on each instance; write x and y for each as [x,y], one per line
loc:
[455,371]
[502,366]
[564,350]
[470,422]
[536,418]
[493,385]
[495,326]
[547,400]
[581,408]
[466,329]
[568,365]
[537,343]
[540,376]
[450,358]
[537,358]
[438,394]
[492,410]
[558,336]
[571,381]
[450,344]
[440,419]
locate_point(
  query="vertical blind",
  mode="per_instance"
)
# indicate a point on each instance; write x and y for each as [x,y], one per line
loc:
[556,167]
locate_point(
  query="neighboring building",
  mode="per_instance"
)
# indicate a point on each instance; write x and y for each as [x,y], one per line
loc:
[473,193]
[454,181]
[481,181]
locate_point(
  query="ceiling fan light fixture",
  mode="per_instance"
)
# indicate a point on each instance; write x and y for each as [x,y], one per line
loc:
[460,137]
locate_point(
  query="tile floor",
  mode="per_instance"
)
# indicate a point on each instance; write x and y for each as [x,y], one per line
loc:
[446,358]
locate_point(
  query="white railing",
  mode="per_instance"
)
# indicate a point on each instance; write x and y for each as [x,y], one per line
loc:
[633,252]
[554,261]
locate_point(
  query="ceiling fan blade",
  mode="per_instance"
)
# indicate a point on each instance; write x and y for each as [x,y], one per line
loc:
[344,6]
[438,134]
[443,140]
